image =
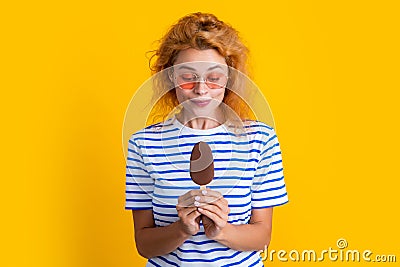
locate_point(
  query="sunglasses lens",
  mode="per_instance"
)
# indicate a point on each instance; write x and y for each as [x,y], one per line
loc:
[187,81]
[214,85]
[187,86]
[214,80]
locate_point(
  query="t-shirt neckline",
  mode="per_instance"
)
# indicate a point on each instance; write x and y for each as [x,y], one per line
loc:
[182,127]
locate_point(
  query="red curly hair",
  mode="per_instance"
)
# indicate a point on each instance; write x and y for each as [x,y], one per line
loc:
[199,31]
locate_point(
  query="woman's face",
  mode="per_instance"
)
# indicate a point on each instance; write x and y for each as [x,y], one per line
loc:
[200,77]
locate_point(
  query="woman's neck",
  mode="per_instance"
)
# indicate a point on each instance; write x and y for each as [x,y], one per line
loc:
[200,123]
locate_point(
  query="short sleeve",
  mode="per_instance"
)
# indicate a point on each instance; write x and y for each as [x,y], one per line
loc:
[139,184]
[268,188]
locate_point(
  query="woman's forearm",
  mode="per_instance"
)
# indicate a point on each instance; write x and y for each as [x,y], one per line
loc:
[245,237]
[156,241]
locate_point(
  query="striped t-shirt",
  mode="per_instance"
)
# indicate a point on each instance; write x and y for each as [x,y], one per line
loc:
[248,173]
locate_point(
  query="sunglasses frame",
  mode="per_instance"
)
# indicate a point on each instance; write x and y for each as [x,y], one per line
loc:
[200,78]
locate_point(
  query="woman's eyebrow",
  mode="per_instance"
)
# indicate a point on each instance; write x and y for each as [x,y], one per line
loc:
[186,67]
[193,69]
[215,67]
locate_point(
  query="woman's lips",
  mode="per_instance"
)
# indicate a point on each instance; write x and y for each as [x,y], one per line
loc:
[201,103]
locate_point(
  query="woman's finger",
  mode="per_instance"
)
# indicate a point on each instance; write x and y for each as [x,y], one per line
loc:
[222,203]
[218,221]
[189,202]
[184,212]
[193,215]
[215,210]
[206,199]
[189,195]
[212,193]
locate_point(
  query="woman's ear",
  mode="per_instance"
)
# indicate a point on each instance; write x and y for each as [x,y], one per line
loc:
[171,74]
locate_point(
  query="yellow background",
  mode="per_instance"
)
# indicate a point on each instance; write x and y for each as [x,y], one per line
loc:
[329,69]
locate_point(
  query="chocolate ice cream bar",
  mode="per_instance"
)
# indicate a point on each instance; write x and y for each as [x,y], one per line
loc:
[202,164]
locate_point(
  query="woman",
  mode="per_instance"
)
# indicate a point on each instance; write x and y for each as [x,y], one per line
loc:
[228,223]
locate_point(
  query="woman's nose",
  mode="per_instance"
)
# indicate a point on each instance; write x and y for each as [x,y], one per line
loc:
[201,88]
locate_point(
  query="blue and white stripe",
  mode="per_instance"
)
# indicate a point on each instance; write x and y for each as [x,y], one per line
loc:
[248,173]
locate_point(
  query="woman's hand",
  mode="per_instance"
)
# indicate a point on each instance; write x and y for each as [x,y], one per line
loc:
[188,214]
[214,209]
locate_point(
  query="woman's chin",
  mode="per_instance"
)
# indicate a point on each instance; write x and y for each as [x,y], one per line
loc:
[208,111]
